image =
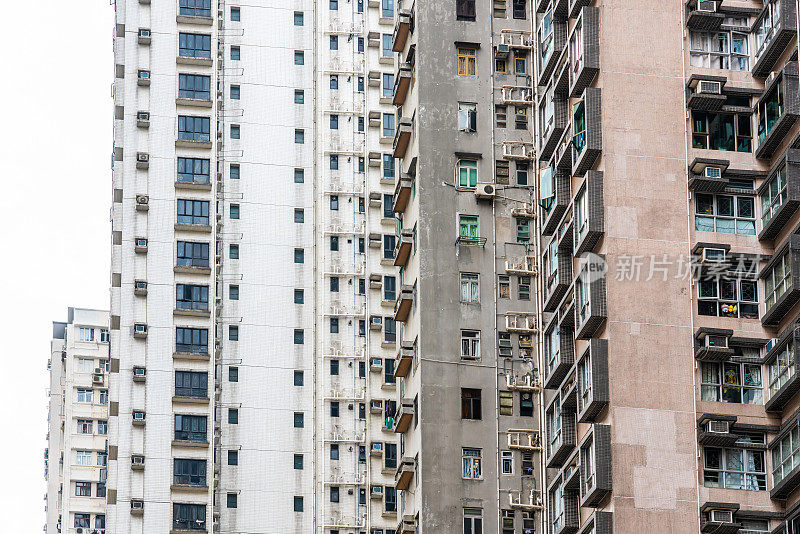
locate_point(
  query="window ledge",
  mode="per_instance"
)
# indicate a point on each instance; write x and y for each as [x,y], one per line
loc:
[185,143]
[197,186]
[185,227]
[191,313]
[191,270]
[194,19]
[186,443]
[194,102]
[189,400]
[190,60]
[189,487]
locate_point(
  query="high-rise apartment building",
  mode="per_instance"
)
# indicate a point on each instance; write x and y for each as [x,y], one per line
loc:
[77,431]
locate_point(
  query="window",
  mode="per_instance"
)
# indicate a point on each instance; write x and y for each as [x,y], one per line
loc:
[521,118]
[236,131]
[731,382]
[334,82]
[468,228]
[298,461]
[545,39]
[729,214]
[722,131]
[190,427]
[194,128]
[724,49]
[777,281]
[334,452]
[470,288]
[467,173]
[334,284]
[388,201]
[236,14]
[194,86]
[189,472]
[85,426]
[298,18]
[387,8]
[299,215]
[299,176]
[103,396]
[102,428]
[334,494]
[727,297]
[361,124]
[518,9]
[334,203]
[333,162]
[388,125]
[499,10]
[522,173]
[298,419]
[470,345]
[189,516]
[191,297]
[470,403]
[386,45]
[781,369]
[84,396]
[467,117]
[389,330]
[523,231]
[191,340]
[299,96]
[388,371]
[333,4]
[506,403]
[501,67]
[236,92]
[388,86]
[520,64]
[471,463]
[191,384]
[334,325]
[299,57]
[193,212]
[553,426]
[773,195]
[465,10]
[236,53]
[770,109]
[233,252]
[473,521]
[360,44]
[785,455]
[193,170]
[390,455]
[390,499]
[85,365]
[466,61]
[334,243]
[101,492]
[299,136]
[734,469]
[333,42]
[298,378]
[234,211]
[298,336]
[334,122]
[233,374]
[388,246]
[194,45]
[82,520]
[299,255]
[83,489]
[194,8]
[500,114]
[233,333]
[231,500]
[233,416]
[504,287]
[83,457]
[103,339]
[388,166]
[506,463]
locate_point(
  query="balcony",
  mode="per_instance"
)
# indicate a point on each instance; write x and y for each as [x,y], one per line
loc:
[782,364]
[561,444]
[407,525]
[516,95]
[402,29]
[515,39]
[590,301]
[777,110]
[404,416]
[781,283]
[405,473]
[555,198]
[402,83]
[559,353]
[562,156]
[518,151]
[588,213]
[405,358]
[596,485]
[527,501]
[526,382]
[525,266]
[402,138]
[520,322]
[402,193]
[404,303]
[779,195]
[593,389]
[561,75]
[587,139]
[524,440]
[703,15]
[584,68]
[553,124]
[557,281]
[403,248]
[774,29]
[552,38]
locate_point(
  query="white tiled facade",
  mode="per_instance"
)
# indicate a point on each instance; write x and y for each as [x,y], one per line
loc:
[75,458]
[273,368]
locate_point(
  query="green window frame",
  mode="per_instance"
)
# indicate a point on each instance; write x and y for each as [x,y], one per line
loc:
[468,227]
[467,173]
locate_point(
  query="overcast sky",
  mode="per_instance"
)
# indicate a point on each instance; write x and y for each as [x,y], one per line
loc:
[55,152]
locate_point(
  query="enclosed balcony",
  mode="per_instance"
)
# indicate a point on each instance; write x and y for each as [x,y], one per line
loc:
[593,388]
[595,453]
[559,354]
[560,434]
[551,38]
[402,250]
[404,416]
[774,29]
[402,193]
[555,196]
[779,194]
[402,29]
[588,213]
[777,110]
[405,473]
[402,138]
[781,283]
[584,44]
[587,138]
[553,120]
[404,303]
[557,270]
[781,363]
[402,83]
[405,358]
[590,299]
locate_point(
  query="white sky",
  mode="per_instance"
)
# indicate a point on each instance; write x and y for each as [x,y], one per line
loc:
[55,153]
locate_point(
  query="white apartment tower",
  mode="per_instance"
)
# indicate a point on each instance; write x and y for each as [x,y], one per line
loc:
[253,280]
[77,433]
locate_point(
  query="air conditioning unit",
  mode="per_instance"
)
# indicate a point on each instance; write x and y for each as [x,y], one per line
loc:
[138,416]
[712,255]
[137,459]
[770,344]
[142,201]
[712,172]
[140,328]
[721,516]
[143,77]
[485,191]
[139,372]
[377,446]
[137,504]
[375,364]
[502,50]
[140,285]
[97,379]
[707,87]
[143,116]
[720,342]
[144,32]
[141,242]
[377,492]
[718,427]
[375,320]
[707,6]
[142,157]
[505,352]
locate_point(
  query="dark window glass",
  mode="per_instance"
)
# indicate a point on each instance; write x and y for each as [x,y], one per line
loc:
[298,461]
[191,384]
[233,416]
[191,297]
[189,472]
[190,427]
[233,333]
[193,170]
[194,128]
[299,420]
[233,457]
[233,374]
[465,10]
[195,8]
[298,378]
[194,86]
[470,403]
[193,212]
[192,254]
[189,516]
[191,340]
[194,45]
[232,500]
